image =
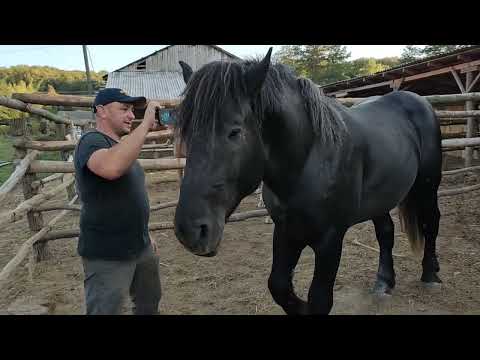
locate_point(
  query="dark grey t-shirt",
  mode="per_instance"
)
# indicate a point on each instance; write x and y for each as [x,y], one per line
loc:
[115,214]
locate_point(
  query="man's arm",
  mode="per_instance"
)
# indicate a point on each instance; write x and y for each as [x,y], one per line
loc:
[114,162]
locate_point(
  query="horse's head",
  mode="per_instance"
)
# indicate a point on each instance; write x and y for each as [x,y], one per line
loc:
[225,155]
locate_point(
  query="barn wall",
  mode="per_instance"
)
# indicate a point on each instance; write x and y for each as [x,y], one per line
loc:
[194,55]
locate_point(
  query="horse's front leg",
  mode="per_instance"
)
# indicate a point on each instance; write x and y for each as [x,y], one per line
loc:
[328,251]
[286,252]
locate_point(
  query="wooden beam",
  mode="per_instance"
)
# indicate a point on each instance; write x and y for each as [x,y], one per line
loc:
[458,80]
[460,171]
[457,114]
[71,233]
[457,135]
[443,70]
[452,98]
[19,105]
[24,249]
[472,84]
[49,166]
[72,100]
[55,100]
[463,190]
[45,145]
[26,206]
[451,122]
[160,135]
[470,69]
[407,71]
[17,175]
[371,86]
[461,142]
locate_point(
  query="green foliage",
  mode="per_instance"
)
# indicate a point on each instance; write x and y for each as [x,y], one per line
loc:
[6,155]
[412,52]
[28,79]
[324,64]
[321,63]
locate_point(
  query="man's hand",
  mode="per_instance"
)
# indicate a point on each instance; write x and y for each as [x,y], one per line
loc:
[149,116]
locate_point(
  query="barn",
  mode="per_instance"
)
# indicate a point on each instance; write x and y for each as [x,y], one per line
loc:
[448,73]
[159,75]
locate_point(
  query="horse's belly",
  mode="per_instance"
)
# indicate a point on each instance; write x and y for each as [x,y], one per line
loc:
[382,197]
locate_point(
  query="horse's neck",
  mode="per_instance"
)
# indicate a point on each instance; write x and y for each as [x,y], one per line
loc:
[287,143]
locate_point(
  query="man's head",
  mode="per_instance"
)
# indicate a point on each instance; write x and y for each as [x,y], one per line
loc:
[114,110]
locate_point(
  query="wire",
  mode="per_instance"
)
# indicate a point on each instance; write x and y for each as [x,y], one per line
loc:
[25,49]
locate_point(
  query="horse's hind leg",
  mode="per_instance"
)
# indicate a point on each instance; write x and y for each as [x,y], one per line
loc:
[384,230]
[429,216]
[286,252]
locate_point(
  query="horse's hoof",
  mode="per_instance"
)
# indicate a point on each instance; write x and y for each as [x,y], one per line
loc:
[432,279]
[432,285]
[382,290]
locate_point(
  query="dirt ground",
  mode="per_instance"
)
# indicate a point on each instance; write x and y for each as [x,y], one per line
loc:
[235,281]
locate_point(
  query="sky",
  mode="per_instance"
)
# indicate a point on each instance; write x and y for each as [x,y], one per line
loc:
[112,57]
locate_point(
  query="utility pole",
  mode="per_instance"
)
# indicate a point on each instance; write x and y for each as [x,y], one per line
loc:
[87,69]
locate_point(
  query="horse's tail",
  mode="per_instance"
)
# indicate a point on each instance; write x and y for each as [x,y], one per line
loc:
[408,215]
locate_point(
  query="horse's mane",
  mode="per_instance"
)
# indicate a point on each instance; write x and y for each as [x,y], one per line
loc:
[208,88]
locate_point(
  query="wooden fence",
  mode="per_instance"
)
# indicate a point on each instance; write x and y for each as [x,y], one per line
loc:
[28,166]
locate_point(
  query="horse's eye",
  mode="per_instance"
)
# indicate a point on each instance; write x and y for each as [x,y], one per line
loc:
[234,133]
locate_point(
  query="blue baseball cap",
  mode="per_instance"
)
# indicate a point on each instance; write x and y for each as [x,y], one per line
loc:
[109,95]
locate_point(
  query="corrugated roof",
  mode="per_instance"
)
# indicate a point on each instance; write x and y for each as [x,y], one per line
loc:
[151,84]
[412,65]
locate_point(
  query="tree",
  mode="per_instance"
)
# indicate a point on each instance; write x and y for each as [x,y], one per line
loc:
[321,63]
[365,66]
[412,52]
[23,78]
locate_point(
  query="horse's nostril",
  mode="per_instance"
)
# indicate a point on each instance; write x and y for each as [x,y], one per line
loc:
[203,231]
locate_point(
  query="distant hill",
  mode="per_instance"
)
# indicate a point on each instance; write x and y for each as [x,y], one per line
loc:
[23,78]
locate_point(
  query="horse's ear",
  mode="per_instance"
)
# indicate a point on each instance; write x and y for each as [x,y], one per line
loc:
[256,76]
[187,71]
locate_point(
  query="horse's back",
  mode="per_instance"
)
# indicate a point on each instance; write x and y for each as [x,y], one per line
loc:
[399,137]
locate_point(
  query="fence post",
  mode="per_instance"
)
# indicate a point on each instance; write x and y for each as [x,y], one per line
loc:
[35,219]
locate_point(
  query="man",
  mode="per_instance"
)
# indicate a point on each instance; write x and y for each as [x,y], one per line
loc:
[114,243]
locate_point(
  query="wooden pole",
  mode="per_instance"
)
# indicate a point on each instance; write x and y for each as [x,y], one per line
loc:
[46,180]
[469,106]
[50,166]
[73,100]
[20,211]
[19,105]
[69,145]
[460,171]
[87,69]
[167,225]
[461,142]
[23,252]
[432,99]
[17,175]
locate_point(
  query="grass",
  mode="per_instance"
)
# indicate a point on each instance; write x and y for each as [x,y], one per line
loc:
[7,154]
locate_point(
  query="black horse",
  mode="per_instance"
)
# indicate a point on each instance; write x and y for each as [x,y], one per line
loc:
[325,167]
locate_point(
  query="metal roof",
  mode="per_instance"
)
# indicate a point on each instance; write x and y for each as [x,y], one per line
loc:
[409,68]
[151,84]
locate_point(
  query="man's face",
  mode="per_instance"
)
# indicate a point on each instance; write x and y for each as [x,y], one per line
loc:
[118,116]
